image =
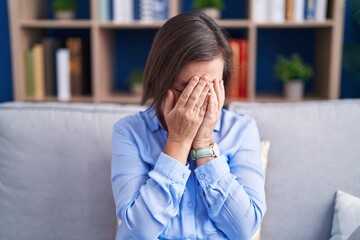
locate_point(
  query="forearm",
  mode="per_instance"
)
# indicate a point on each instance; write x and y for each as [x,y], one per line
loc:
[156,201]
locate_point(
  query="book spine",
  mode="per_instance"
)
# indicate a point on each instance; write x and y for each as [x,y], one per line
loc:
[63,74]
[310,9]
[233,89]
[29,73]
[39,78]
[299,6]
[243,68]
[128,10]
[76,66]
[161,9]
[104,10]
[259,11]
[277,11]
[50,46]
[146,11]
[320,10]
[289,12]
[118,11]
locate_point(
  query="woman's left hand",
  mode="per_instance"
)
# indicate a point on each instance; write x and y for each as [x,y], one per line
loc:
[216,101]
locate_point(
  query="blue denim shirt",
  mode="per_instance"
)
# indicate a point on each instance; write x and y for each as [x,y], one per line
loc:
[157,197]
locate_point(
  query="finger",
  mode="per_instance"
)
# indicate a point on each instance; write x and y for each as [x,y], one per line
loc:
[222,86]
[184,97]
[205,105]
[217,89]
[169,102]
[195,95]
[203,97]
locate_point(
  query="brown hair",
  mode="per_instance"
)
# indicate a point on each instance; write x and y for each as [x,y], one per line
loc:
[183,39]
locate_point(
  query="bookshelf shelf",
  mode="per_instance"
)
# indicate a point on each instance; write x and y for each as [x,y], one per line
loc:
[311,24]
[55,24]
[233,23]
[28,25]
[132,25]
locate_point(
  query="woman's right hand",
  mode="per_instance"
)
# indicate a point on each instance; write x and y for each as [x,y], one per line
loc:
[184,117]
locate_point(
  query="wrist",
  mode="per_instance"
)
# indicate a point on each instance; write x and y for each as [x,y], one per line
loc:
[202,144]
[178,150]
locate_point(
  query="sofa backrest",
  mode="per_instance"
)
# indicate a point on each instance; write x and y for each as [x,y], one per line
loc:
[315,150]
[55,170]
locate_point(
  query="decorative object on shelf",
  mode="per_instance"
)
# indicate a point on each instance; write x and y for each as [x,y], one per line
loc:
[64,9]
[135,80]
[351,57]
[212,8]
[293,72]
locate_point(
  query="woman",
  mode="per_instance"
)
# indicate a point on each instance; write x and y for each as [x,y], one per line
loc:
[185,168]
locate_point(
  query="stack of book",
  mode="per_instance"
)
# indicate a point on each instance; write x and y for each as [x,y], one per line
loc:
[52,71]
[127,11]
[289,10]
[239,80]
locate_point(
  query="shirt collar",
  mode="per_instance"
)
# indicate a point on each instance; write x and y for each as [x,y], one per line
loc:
[155,124]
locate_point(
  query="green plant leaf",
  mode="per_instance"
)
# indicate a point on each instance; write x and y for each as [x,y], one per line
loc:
[201,4]
[292,68]
[63,5]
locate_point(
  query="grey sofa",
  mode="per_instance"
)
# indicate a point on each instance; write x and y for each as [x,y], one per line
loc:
[55,167]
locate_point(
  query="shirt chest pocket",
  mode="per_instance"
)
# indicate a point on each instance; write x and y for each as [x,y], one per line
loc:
[209,226]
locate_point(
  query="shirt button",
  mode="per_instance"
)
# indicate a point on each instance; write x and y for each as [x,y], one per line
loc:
[190,204]
[191,237]
[184,175]
[202,176]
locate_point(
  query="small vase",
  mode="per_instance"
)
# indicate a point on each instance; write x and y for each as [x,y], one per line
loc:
[294,90]
[64,15]
[137,89]
[214,13]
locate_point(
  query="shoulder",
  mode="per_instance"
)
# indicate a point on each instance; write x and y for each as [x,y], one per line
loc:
[133,122]
[235,121]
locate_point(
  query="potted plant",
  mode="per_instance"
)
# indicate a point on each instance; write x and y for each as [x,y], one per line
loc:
[293,72]
[135,80]
[64,9]
[212,8]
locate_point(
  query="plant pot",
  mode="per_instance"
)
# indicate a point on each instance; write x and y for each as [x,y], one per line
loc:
[294,90]
[64,15]
[214,13]
[137,89]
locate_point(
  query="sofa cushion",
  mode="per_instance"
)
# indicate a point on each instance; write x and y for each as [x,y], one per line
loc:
[55,170]
[346,220]
[314,152]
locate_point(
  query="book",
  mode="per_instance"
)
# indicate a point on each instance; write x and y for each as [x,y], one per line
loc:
[232,91]
[63,74]
[39,73]
[104,10]
[320,10]
[243,68]
[289,12]
[259,11]
[310,9]
[160,8]
[146,11]
[277,11]
[50,47]
[239,77]
[29,73]
[76,66]
[299,6]
[123,11]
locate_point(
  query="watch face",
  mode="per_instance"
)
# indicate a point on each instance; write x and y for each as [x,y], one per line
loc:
[216,150]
